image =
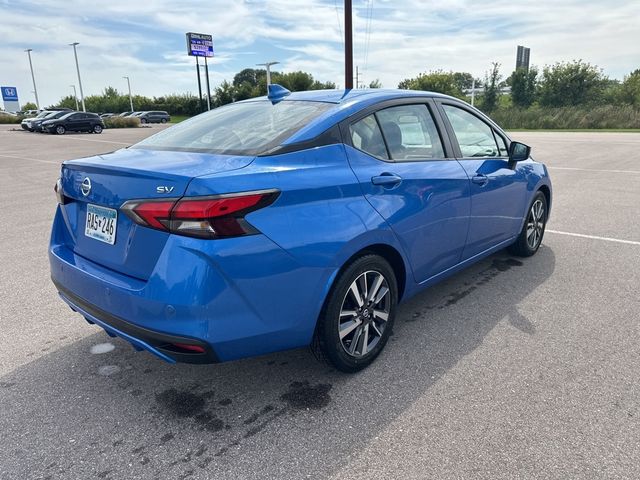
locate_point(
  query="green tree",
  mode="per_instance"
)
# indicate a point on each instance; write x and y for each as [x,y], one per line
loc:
[29,106]
[375,83]
[463,80]
[223,94]
[629,91]
[436,81]
[571,83]
[523,86]
[491,97]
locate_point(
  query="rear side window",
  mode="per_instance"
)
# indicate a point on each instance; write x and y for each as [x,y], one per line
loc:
[410,132]
[366,136]
[247,128]
[474,136]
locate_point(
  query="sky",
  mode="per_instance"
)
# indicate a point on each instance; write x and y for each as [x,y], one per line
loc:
[393,40]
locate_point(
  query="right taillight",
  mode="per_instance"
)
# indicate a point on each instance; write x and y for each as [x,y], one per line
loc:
[218,216]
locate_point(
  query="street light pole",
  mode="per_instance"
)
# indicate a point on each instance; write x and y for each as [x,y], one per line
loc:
[75,96]
[75,53]
[348,46]
[267,65]
[33,78]
[130,97]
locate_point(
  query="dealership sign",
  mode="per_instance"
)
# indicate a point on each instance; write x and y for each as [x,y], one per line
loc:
[199,45]
[10,99]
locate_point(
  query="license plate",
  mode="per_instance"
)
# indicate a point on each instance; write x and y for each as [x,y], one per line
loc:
[101,223]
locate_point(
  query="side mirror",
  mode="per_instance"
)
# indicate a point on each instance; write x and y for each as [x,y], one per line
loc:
[518,152]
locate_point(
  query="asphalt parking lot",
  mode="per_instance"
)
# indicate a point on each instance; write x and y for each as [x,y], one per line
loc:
[515,368]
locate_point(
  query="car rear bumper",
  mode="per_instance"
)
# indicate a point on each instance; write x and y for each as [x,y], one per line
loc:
[160,344]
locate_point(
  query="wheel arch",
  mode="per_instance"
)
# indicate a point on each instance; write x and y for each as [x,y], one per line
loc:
[390,254]
[547,194]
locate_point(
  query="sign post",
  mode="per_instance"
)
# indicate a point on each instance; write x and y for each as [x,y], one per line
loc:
[10,99]
[201,45]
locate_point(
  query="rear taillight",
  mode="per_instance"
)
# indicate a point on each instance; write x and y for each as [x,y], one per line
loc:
[62,199]
[219,216]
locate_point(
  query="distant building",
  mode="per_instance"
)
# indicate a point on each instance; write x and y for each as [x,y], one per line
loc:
[522,57]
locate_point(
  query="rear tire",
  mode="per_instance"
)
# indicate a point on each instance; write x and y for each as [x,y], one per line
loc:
[143,120]
[530,237]
[60,130]
[97,129]
[358,315]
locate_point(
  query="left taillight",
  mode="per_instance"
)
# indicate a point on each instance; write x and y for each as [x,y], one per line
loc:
[60,196]
[218,216]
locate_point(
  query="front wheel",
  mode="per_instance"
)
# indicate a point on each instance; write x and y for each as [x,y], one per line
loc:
[143,120]
[532,232]
[358,315]
[97,129]
[164,120]
[60,130]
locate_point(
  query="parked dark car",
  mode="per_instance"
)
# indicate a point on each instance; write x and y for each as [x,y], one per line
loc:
[154,117]
[74,122]
[36,124]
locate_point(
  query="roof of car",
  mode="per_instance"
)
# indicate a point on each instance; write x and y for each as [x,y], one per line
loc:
[347,102]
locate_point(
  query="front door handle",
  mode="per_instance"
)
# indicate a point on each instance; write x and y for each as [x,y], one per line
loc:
[480,179]
[386,179]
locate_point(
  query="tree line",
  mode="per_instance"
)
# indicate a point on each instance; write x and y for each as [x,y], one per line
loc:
[248,83]
[563,84]
[576,84]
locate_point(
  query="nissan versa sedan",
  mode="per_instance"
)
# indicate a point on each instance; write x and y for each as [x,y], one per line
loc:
[290,220]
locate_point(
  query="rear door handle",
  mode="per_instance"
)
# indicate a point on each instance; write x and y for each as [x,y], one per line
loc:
[386,179]
[480,179]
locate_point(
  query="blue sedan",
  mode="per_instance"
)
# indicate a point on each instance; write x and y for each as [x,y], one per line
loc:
[290,220]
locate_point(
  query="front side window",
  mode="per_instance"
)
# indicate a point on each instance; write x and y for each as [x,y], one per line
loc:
[410,132]
[366,136]
[474,136]
[247,128]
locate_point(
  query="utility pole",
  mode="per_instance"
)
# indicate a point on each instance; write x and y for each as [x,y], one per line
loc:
[75,96]
[130,97]
[348,46]
[75,53]
[267,65]
[473,91]
[206,73]
[35,90]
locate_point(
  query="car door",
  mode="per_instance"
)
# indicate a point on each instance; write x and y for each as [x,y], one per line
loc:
[76,122]
[399,156]
[498,190]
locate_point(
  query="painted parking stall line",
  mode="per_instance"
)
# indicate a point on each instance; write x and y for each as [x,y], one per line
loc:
[594,237]
[593,170]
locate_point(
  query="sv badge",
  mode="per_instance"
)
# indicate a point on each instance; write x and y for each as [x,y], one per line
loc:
[163,189]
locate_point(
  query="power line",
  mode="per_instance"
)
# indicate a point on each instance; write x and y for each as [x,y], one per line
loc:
[335,2]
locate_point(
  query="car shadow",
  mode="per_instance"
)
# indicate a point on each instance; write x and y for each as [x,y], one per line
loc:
[97,409]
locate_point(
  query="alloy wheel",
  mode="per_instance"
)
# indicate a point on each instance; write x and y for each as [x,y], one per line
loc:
[364,313]
[535,224]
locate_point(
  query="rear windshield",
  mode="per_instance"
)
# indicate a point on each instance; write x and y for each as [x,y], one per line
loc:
[247,128]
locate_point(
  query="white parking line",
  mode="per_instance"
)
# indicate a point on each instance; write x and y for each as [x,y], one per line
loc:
[32,159]
[594,237]
[594,170]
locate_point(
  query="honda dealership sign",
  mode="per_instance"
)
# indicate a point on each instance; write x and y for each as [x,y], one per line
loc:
[199,45]
[10,99]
